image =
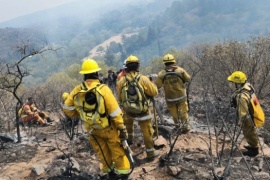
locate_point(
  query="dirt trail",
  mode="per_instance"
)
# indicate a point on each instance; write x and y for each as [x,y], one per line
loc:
[117,39]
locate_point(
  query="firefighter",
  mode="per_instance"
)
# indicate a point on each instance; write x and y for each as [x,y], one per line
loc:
[111,79]
[31,112]
[173,79]
[144,119]
[122,71]
[106,127]
[240,100]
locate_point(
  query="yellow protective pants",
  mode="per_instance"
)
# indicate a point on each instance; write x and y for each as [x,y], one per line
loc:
[250,133]
[179,109]
[106,144]
[146,129]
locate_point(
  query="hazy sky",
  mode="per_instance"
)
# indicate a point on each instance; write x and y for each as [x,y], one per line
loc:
[13,8]
[10,9]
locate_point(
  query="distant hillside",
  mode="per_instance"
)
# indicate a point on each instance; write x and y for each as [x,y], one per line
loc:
[79,27]
[12,38]
[200,21]
[186,22]
[159,25]
[195,21]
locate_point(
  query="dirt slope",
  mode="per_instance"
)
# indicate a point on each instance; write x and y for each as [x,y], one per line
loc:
[117,39]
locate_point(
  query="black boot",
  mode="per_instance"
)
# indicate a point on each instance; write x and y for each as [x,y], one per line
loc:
[251,152]
[49,120]
[247,147]
[124,176]
[130,142]
[112,175]
[130,139]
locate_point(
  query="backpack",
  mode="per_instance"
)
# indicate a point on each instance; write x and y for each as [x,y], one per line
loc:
[133,98]
[255,110]
[171,83]
[91,106]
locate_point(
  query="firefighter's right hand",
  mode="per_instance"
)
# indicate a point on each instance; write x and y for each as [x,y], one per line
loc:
[123,135]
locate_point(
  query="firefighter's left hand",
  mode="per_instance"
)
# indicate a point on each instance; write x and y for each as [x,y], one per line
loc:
[123,134]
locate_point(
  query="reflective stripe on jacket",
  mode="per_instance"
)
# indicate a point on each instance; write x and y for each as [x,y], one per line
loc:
[72,108]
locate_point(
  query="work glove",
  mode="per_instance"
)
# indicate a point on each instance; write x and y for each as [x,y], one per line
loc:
[123,135]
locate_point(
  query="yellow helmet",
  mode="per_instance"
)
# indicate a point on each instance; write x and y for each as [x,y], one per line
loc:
[237,77]
[132,59]
[65,96]
[168,58]
[89,66]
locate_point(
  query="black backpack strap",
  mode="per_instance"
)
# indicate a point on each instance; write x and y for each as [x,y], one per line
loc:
[105,113]
[84,86]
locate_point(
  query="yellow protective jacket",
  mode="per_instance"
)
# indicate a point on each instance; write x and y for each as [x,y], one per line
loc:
[150,90]
[73,106]
[173,79]
[242,98]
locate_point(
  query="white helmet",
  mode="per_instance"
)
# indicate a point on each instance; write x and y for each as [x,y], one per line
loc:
[124,65]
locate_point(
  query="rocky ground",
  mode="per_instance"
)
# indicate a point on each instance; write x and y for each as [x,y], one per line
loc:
[47,153]
[203,153]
